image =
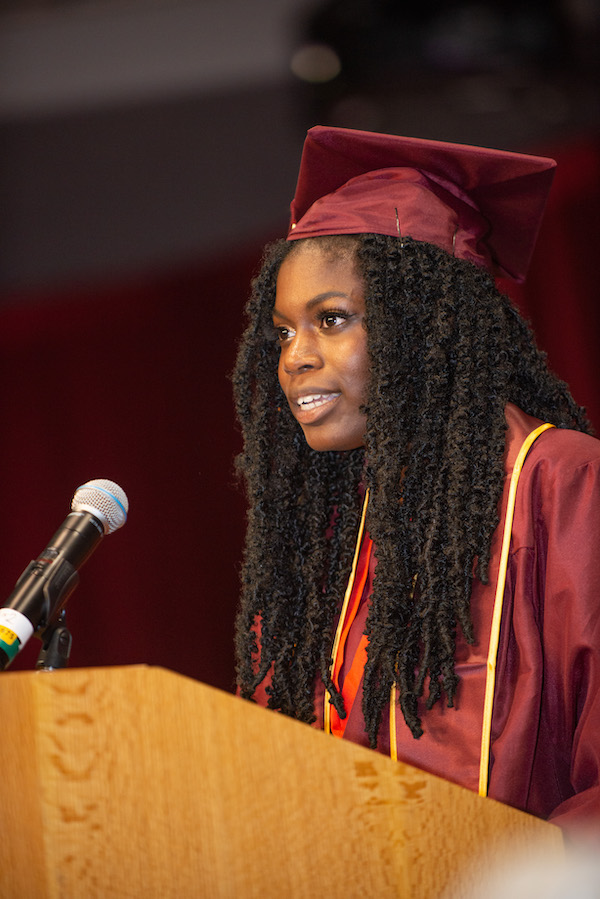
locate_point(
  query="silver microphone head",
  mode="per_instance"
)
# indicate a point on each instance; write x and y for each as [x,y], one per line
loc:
[105,500]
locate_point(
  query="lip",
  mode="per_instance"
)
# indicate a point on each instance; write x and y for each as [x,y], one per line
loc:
[311,405]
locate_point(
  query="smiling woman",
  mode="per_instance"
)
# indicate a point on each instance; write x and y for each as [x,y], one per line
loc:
[398,589]
[323,365]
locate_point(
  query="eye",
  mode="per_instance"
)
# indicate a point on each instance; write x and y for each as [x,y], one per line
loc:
[281,333]
[331,318]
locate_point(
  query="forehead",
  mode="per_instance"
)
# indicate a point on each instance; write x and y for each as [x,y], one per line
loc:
[312,269]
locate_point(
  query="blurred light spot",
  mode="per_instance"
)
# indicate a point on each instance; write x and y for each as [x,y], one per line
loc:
[316,63]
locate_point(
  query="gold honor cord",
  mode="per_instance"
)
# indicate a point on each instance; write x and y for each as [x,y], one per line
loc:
[490,683]
[393,736]
[338,634]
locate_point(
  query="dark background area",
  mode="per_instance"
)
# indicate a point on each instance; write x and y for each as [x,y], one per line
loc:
[147,152]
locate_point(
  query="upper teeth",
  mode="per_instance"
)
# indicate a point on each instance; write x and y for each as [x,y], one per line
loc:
[317,399]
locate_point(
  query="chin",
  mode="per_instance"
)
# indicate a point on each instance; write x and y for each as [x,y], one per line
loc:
[332,443]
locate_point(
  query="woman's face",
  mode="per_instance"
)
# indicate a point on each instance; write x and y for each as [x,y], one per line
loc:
[323,367]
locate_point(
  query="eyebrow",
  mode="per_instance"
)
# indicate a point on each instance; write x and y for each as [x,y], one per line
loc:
[319,298]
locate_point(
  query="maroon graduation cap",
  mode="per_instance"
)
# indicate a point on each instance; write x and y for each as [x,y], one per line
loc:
[478,204]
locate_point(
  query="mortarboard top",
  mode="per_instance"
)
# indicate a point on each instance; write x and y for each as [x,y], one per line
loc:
[478,204]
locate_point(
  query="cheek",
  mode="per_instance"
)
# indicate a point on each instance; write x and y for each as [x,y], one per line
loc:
[358,372]
[363,378]
[280,371]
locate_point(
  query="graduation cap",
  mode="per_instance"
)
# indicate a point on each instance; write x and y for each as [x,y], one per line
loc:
[478,204]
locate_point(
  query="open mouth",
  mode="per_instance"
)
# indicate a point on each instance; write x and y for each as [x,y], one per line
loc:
[312,407]
[314,401]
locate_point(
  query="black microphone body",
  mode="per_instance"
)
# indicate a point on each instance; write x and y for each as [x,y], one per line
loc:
[49,580]
[41,592]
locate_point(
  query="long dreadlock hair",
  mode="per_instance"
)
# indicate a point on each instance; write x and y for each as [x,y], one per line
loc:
[447,353]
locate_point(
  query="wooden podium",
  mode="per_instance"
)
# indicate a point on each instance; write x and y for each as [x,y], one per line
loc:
[138,782]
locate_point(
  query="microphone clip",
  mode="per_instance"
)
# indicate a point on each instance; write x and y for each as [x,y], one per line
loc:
[56,648]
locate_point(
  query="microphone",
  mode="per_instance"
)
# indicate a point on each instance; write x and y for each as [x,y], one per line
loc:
[98,507]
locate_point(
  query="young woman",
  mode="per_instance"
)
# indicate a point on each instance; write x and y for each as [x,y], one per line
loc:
[422,550]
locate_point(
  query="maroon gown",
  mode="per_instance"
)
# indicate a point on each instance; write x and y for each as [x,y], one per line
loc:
[545,734]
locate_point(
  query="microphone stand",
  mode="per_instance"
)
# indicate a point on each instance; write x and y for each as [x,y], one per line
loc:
[56,647]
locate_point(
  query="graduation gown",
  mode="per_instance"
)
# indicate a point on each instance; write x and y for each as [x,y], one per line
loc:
[545,730]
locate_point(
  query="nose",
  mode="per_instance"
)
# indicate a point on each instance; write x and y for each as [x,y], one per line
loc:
[301,353]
